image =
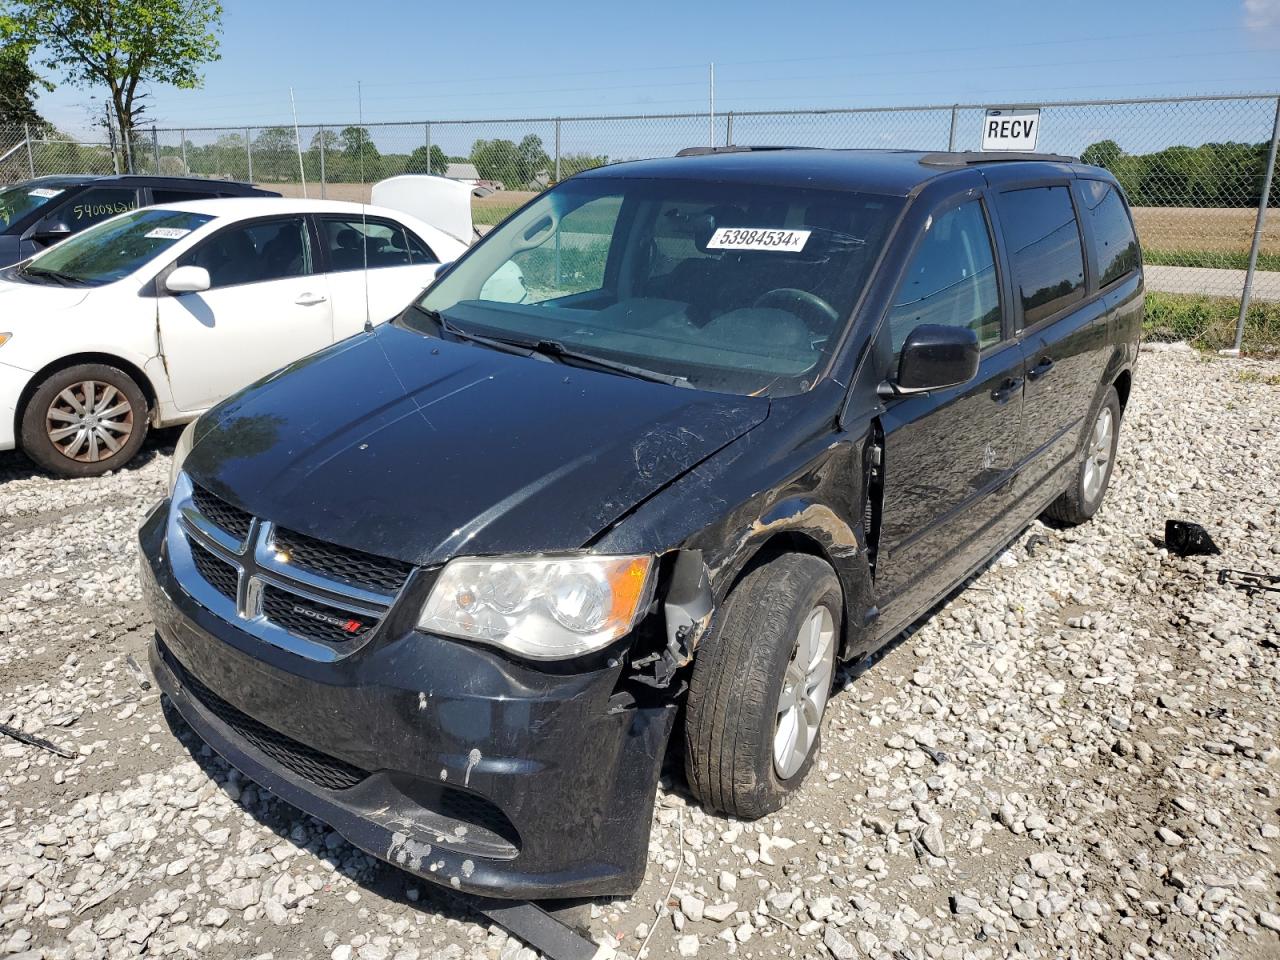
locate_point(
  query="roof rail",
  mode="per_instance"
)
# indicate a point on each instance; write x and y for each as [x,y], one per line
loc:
[968,158]
[703,151]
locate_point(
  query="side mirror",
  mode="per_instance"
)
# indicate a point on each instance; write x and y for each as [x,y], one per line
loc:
[936,356]
[188,280]
[51,233]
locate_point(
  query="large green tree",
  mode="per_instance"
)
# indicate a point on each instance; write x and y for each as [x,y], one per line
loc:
[122,45]
[19,83]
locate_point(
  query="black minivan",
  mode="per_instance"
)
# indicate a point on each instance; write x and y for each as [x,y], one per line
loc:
[36,214]
[662,447]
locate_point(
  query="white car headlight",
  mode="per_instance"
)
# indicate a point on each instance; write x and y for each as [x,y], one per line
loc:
[4,338]
[185,442]
[545,608]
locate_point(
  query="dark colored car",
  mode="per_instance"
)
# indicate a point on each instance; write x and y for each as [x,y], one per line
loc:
[38,213]
[449,585]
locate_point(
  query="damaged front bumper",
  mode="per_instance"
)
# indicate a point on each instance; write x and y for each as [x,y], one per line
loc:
[463,767]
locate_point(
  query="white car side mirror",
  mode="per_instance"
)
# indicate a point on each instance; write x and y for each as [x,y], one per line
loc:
[188,280]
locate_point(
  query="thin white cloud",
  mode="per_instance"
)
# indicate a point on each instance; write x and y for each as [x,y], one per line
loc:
[1261,15]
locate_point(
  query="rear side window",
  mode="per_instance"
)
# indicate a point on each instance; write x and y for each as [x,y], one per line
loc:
[951,279]
[353,243]
[1040,229]
[1116,246]
[180,196]
[95,205]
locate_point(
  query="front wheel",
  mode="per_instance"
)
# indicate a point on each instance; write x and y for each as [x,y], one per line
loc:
[1093,471]
[760,685]
[85,420]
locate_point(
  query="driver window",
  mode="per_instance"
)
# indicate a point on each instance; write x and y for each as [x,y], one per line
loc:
[570,259]
[951,279]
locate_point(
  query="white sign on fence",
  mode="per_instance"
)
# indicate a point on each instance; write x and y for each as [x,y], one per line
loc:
[1010,129]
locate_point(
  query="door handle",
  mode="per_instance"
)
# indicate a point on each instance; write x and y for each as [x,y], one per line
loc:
[307,300]
[1005,392]
[1044,365]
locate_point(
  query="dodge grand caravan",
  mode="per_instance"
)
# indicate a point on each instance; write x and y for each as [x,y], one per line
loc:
[451,584]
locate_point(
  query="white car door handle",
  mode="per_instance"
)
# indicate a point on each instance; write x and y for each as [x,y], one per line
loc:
[309,299]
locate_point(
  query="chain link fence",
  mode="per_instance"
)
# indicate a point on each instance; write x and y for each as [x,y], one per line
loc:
[1193,168]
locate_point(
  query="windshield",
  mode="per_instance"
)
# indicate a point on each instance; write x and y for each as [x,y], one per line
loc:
[738,288]
[114,248]
[17,202]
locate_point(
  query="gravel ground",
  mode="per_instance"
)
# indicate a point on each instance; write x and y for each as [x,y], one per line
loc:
[1075,757]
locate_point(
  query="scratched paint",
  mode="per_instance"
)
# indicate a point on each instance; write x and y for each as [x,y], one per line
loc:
[408,852]
[472,759]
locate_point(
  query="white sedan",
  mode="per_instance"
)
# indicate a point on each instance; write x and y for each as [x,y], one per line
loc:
[154,316]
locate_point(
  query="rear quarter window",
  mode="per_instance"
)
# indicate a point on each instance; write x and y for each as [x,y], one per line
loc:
[1043,238]
[1115,248]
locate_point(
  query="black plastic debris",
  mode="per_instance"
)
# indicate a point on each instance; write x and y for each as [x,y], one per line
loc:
[1250,582]
[1187,539]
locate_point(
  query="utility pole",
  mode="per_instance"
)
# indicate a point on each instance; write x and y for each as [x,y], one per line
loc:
[711,107]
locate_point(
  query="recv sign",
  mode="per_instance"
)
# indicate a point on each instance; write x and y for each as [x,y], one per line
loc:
[1010,129]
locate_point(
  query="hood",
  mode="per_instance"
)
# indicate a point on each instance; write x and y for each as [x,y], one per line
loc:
[30,301]
[419,449]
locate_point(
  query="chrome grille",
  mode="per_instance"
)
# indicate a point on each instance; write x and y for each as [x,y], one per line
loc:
[217,573]
[321,606]
[222,514]
[307,618]
[354,566]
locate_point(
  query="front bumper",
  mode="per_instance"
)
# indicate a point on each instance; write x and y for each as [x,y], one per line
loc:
[12,382]
[465,768]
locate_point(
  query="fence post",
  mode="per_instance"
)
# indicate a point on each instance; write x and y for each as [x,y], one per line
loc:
[951,137]
[111,138]
[31,158]
[324,183]
[557,157]
[248,149]
[728,129]
[1247,293]
[155,146]
[127,135]
[186,167]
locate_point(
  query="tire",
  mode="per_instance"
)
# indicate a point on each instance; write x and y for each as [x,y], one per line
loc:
[733,708]
[118,414]
[1093,473]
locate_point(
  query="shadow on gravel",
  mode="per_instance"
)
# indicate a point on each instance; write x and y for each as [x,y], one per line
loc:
[15,466]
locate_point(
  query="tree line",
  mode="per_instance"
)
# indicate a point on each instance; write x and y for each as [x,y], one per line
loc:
[350,155]
[1210,175]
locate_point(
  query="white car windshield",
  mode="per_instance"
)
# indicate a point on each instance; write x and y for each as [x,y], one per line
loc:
[734,287]
[111,250]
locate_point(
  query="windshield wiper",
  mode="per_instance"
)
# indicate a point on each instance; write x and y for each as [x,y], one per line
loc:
[518,347]
[551,350]
[554,348]
[66,279]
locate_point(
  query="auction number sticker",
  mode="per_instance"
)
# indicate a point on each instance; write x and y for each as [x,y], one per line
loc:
[167,233]
[751,238]
[44,193]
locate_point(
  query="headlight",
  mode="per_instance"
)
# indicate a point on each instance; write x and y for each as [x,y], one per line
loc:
[4,338]
[185,442]
[544,607]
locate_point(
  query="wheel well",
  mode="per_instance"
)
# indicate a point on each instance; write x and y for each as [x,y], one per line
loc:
[1123,383]
[62,363]
[792,541]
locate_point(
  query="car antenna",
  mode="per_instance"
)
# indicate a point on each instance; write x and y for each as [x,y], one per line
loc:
[364,208]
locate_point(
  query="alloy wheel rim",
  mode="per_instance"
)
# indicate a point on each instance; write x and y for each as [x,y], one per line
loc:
[89,421]
[806,685]
[1099,453]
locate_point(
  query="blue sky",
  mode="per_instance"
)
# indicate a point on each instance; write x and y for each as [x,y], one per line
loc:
[500,59]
